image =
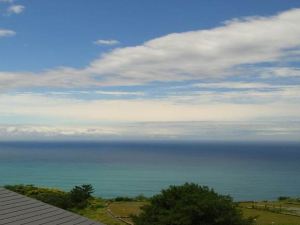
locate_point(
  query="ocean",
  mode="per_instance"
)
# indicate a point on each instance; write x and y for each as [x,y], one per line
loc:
[246,171]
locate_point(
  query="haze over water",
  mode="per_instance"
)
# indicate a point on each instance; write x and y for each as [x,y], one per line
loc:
[246,171]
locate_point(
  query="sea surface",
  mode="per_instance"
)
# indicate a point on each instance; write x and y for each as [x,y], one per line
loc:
[246,171]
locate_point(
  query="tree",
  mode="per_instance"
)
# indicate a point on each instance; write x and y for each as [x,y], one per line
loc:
[80,194]
[191,204]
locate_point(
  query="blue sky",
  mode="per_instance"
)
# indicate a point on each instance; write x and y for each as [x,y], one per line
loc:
[150,69]
[60,33]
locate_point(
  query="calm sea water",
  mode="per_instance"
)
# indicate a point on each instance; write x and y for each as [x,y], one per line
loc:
[246,171]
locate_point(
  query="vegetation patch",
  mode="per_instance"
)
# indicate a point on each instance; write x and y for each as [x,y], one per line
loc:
[180,204]
[78,197]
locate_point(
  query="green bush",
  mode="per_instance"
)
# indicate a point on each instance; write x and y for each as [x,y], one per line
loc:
[283,198]
[79,195]
[123,199]
[191,204]
[139,198]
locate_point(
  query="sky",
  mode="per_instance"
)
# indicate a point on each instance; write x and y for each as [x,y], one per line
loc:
[150,70]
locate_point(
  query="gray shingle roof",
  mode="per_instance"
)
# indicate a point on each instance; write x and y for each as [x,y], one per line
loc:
[16,209]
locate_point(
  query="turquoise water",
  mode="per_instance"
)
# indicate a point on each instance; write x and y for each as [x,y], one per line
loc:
[246,171]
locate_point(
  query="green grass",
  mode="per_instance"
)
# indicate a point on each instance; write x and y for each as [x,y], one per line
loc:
[98,212]
[267,212]
[273,212]
[125,209]
[266,217]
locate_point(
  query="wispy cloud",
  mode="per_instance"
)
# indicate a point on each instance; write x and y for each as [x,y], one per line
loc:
[6,33]
[120,93]
[233,85]
[15,9]
[106,42]
[282,72]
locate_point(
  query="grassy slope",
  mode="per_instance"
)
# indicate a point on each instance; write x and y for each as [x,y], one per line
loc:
[273,212]
[266,218]
[124,209]
[98,209]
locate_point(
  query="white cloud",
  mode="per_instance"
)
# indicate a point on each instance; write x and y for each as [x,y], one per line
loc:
[52,131]
[15,9]
[261,115]
[211,55]
[120,93]
[166,130]
[106,42]
[61,77]
[204,54]
[199,107]
[6,33]
[234,85]
[282,72]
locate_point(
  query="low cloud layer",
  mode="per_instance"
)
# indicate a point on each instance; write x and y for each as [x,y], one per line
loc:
[234,105]
[221,131]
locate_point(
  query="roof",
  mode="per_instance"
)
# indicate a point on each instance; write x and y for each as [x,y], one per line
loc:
[16,209]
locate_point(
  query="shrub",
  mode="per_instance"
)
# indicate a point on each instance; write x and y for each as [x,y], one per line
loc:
[191,204]
[141,198]
[123,199]
[282,198]
[79,195]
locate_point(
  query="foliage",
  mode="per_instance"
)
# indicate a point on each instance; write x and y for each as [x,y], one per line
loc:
[97,210]
[123,199]
[191,204]
[283,198]
[76,198]
[54,197]
[286,198]
[79,195]
[139,198]
[97,207]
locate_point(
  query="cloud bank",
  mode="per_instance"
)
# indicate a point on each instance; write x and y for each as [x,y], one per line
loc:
[221,131]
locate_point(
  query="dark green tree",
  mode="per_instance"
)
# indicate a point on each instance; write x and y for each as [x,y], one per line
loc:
[191,204]
[79,195]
